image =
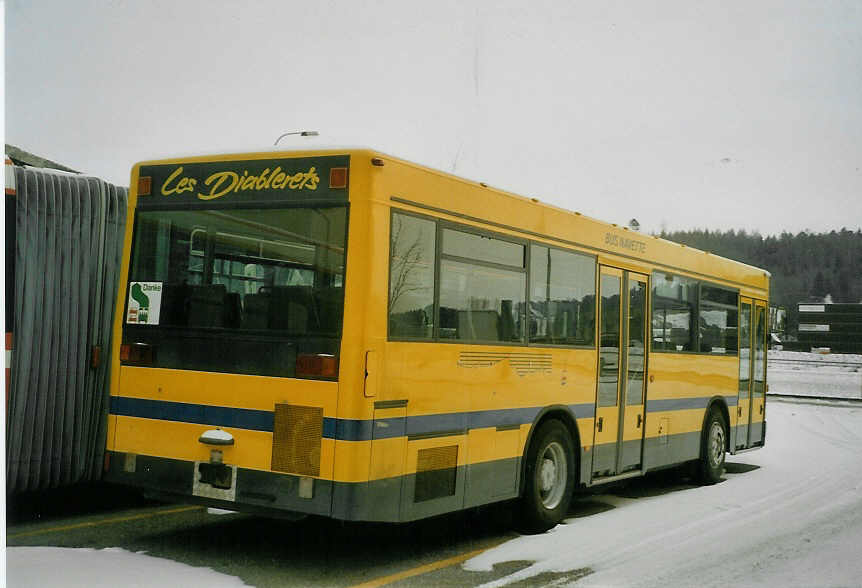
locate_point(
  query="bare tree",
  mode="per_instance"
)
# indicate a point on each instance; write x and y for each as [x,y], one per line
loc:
[406,258]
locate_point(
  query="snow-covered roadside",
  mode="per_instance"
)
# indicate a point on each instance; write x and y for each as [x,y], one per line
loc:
[57,566]
[818,357]
[795,520]
[822,383]
[815,374]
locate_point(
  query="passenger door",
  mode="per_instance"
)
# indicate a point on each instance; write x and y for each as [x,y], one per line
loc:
[743,402]
[758,392]
[619,422]
[634,368]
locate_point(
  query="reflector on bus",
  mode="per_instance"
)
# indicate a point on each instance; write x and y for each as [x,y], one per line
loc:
[145,185]
[316,365]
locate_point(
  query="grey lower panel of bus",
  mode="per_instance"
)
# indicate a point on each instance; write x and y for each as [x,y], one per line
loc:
[389,500]
[670,450]
[757,432]
[65,251]
[658,452]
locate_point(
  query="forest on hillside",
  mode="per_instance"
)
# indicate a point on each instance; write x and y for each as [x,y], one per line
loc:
[804,267]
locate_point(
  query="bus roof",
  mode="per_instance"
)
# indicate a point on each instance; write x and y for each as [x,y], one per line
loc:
[533,217]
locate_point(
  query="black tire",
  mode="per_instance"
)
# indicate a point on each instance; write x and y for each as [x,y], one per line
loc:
[713,446]
[549,478]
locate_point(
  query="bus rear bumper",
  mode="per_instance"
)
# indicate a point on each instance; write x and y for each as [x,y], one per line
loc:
[260,492]
[250,490]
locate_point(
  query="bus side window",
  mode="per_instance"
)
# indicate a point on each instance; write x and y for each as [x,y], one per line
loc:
[412,251]
[674,313]
[562,297]
[718,320]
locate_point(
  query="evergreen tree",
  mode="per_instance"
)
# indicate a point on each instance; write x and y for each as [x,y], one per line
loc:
[803,266]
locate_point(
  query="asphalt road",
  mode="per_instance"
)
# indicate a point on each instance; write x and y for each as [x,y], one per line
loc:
[810,466]
[271,552]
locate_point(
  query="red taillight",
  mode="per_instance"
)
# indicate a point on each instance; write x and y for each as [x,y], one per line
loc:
[316,365]
[137,353]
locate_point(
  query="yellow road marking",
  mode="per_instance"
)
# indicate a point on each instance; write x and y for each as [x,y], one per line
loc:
[437,565]
[103,522]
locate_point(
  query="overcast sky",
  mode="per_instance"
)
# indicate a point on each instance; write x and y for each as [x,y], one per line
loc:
[681,114]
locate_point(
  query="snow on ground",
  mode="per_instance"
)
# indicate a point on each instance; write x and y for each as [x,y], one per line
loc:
[57,566]
[794,520]
[813,356]
[220,511]
[815,374]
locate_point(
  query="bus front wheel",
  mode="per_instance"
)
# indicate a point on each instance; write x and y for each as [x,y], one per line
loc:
[549,479]
[712,448]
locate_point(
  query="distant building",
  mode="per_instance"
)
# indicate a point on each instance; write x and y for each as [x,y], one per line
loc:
[837,326]
[777,326]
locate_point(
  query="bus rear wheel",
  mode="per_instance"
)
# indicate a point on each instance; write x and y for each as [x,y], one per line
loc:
[549,478]
[712,448]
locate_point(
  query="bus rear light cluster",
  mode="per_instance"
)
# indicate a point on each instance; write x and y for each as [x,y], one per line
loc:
[137,354]
[317,365]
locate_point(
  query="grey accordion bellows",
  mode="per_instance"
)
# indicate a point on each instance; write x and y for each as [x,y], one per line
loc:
[68,243]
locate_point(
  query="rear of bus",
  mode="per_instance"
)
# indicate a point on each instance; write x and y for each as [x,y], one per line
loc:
[229,328]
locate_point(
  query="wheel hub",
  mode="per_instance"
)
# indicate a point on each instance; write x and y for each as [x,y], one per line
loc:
[549,474]
[716,444]
[552,472]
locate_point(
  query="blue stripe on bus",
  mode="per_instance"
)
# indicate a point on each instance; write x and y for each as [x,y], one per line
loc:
[200,414]
[669,404]
[349,429]
[364,430]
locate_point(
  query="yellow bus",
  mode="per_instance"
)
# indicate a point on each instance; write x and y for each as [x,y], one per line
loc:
[346,334]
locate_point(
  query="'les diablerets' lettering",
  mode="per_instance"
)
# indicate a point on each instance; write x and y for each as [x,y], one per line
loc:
[225,182]
[182,185]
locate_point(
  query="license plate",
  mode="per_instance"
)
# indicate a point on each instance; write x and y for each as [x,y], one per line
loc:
[214,480]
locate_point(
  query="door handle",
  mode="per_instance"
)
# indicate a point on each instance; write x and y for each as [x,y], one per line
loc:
[761,409]
[739,411]
[601,420]
[640,420]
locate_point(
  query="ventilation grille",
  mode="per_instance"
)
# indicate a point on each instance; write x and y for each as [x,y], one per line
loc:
[522,363]
[436,471]
[296,437]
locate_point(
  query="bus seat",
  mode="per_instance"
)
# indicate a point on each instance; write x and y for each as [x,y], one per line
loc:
[289,308]
[207,305]
[232,310]
[680,339]
[175,300]
[480,325]
[328,304]
[297,318]
[506,324]
[255,312]
[449,323]
[410,323]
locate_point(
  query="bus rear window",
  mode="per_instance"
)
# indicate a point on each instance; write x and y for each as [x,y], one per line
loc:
[239,291]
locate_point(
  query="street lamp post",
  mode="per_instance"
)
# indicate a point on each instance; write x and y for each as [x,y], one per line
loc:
[300,133]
